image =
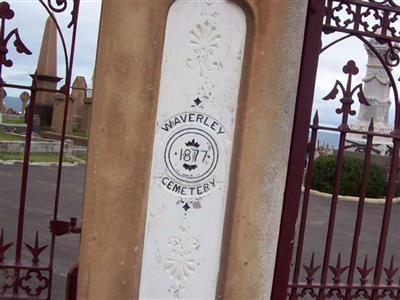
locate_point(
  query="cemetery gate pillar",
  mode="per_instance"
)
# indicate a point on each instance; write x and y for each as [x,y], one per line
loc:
[188,148]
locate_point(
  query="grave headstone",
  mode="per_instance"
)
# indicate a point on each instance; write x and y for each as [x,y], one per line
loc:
[24,99]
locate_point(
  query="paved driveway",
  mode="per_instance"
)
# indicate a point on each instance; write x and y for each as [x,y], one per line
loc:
[40,205]
[39,211]
[318,217]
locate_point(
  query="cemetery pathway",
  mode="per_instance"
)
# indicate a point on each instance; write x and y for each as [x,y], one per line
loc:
[39,211]
[40,205]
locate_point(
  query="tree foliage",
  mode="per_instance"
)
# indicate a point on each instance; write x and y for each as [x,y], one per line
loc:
[324,177]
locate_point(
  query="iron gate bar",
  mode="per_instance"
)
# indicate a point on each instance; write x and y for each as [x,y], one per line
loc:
[25,169]
[17,265]
[66,89]
[360,208]
[345,286]
[350,69]
[28,87]
[298,148]
[24,183]
[386,13]
[306,198]
[387,212]
[332,214]
[360,132]
[11,265]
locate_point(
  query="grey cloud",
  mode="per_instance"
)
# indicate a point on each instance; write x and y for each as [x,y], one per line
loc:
[30,18]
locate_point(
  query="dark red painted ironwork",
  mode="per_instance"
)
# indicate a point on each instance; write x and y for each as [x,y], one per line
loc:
[333,276]
[72,284]
[33,279]
[304,99]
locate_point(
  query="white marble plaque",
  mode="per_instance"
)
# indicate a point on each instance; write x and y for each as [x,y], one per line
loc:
[200,80]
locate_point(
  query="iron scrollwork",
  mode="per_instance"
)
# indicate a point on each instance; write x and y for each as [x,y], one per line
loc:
[31,286]
[6,13]
[355,16]
[59,6]
[390,3]
[347,93]
[376,23]
[20,278]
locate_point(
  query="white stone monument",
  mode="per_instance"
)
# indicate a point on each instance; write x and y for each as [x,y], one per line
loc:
[377,93]
[199,88]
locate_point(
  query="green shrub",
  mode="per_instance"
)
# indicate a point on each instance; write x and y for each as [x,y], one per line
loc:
[324,177]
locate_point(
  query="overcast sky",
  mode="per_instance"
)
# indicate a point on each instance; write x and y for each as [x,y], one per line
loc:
[330,69]
[30,19]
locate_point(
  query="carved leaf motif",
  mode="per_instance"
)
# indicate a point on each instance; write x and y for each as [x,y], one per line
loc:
[181,264]
[204,39]
[180,268]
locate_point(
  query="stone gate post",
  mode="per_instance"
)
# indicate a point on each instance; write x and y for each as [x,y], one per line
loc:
[189,142]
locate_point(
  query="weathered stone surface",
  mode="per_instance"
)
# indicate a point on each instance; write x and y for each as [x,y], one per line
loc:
[128,63]
[46,72]
[14,128]
[58,114]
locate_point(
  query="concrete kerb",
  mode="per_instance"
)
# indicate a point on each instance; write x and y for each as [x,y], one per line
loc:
[351,198]
[37,146]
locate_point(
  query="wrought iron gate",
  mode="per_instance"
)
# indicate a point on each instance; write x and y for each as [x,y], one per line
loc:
[330,276]
[33,279]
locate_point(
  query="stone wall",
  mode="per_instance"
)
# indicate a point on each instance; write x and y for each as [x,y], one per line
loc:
[36,147]
[16,128]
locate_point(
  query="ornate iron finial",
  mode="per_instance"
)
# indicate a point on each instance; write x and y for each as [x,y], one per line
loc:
[338,270]
[364,271]
[311,270]
[35,250]
[6,13]
[315,122]
[3,247]
[390,272]
[347,93]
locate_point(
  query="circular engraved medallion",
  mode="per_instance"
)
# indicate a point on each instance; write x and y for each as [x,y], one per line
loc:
[191,155]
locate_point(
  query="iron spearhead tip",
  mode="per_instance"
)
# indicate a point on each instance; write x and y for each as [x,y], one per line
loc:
[316,118]
[371,125]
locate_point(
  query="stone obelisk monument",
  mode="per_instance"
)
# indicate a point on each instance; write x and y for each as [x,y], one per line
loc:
[377,92]
[47,73]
